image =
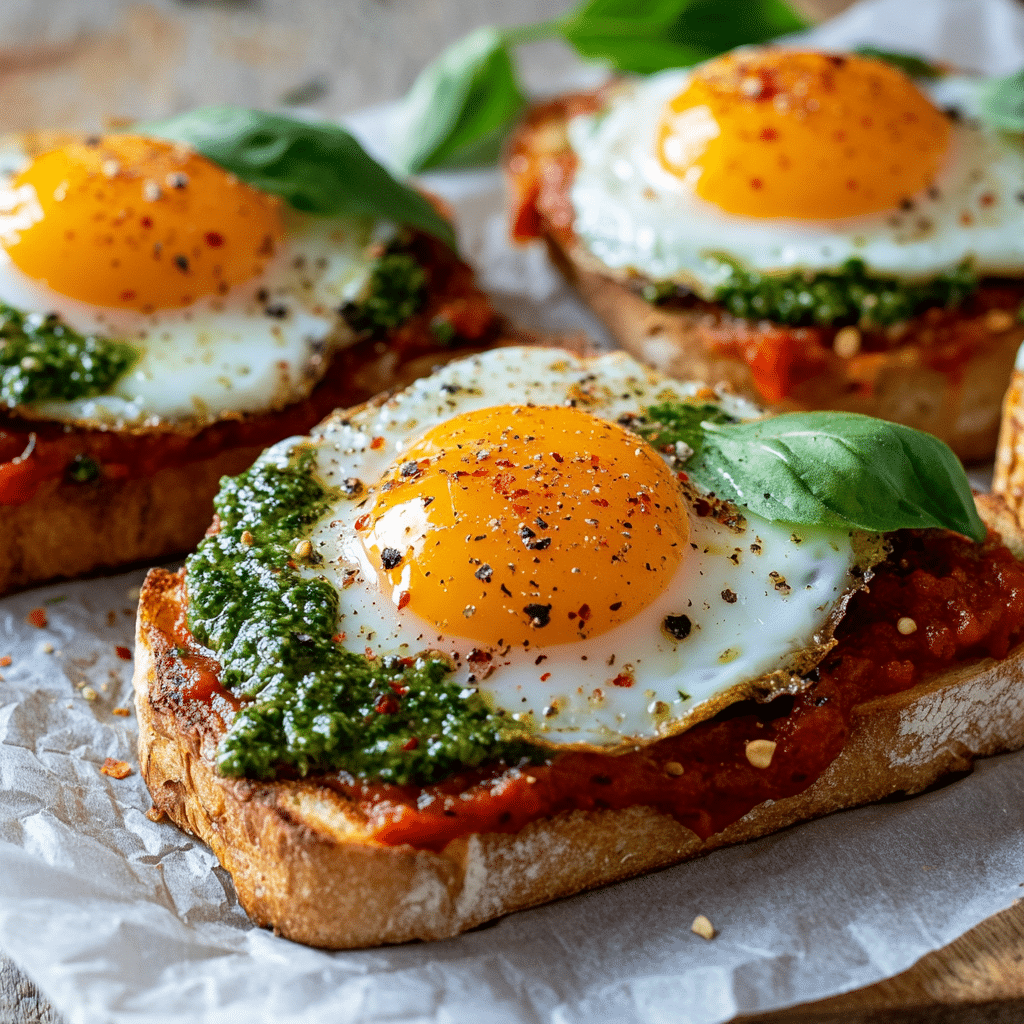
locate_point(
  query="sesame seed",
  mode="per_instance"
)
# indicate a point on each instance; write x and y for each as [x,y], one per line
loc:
[303,548]
[673,768]
[906,625]
[89,693]
[247,539]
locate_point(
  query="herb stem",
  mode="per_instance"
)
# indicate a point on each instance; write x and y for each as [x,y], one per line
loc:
[518,34]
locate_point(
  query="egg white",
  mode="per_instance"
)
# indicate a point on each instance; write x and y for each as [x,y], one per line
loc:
[633,215]
[746,622]
[259,347]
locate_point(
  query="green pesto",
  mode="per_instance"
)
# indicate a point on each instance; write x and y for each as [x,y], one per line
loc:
[313,705]
[42,359]
[396,291]
[847,296]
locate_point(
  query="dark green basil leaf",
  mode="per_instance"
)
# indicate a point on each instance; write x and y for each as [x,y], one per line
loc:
[909,63]
[673,33]
[462,104]
[1002,102]
[318,168]
[837,469]
[672,422]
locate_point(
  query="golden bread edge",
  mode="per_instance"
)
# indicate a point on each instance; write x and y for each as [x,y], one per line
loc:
[303,864]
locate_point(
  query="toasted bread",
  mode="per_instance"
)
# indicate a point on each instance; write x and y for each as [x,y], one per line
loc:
[944,371]
[305,861]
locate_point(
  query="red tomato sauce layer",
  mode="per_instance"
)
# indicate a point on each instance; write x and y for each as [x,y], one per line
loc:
[965,601]
[938,600]
[34,452]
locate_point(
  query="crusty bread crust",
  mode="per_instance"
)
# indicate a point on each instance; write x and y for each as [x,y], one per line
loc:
[304,864]
[959,401]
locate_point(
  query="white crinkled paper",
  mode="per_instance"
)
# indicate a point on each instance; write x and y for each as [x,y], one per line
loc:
[120,919]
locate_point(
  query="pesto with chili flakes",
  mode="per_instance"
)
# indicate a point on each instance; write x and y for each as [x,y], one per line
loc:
[42,359]
[846,296]
[311,705]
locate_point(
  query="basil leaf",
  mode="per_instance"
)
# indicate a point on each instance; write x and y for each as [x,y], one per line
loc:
[1002,102]
[838,469]
[673,33]
[318,168]
[462,104]
[909,63]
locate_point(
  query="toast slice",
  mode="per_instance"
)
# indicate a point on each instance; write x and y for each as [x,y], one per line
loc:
[943,371]
[305,862]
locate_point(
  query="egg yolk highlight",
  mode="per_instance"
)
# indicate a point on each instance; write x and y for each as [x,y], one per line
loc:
[802,135]
[526,525]
[137,223]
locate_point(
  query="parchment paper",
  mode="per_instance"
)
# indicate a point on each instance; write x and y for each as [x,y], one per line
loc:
[119,919]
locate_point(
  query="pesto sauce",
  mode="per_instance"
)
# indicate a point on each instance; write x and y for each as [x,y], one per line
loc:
[41,359]
[315,706]
[396,291]
[847,296]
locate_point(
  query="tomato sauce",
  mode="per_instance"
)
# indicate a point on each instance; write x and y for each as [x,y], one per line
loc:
[937,601]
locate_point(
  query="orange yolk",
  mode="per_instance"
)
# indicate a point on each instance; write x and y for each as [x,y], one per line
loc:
[138,223]
[803,135]
[527,525]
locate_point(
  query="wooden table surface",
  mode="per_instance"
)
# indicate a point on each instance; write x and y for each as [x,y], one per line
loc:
[75,63]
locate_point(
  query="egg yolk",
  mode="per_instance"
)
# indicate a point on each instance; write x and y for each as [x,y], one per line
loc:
[802,135]
[526,525]
[137,223]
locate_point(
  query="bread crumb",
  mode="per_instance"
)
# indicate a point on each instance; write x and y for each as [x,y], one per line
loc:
[116,769]
[155,815]
[703,927]
[47,648]
[89,693]
[123,653]
[761,752]
[123,712]
[134,593]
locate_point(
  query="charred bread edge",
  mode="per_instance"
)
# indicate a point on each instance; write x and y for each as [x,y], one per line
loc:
[303,864]
[960,407]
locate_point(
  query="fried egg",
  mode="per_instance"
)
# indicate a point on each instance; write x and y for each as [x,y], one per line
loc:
[230,297]
[784,160]
[502,512]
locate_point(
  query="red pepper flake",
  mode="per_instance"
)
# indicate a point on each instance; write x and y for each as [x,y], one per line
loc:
[558,458]
[544,678]
[121,712]
[363,521]
[397,688]
[411,743]
[5,661]
[127,295]
[623,679]
[769,134]
[600,502]
[37,617]
[584,612]
[682,476]
[385,704]
[594,460]
[403,599]
[986,199]
[370,656]
[123,653]
[377,443]
[146,222]
[756,184]
[116,769]
[337,638]
[214,239]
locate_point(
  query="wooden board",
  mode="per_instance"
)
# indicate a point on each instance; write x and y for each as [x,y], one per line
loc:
[70,64]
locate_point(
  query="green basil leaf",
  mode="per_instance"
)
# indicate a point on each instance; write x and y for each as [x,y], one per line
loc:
[673,33]
[909,63]
[838,469]
[318,168]
[462,104]
[1002,102]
